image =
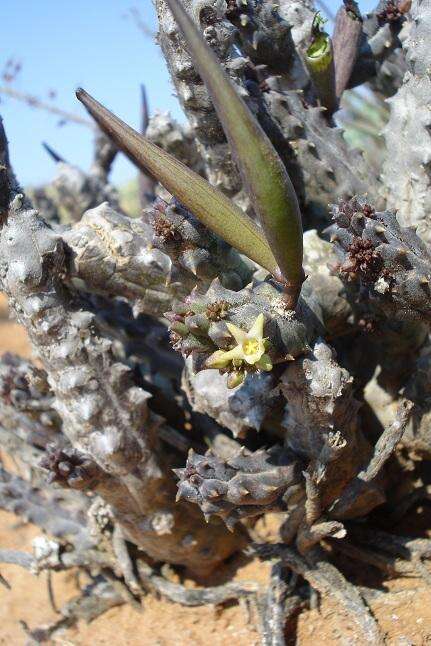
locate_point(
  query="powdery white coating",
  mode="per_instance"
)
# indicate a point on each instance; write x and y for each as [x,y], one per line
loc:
[104,414]
[109,251]
[237,409]
[406,174]
[322,425]
[93,297]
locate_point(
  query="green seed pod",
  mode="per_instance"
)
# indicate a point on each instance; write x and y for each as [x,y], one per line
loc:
[319,60]
[204,201]
[268,184]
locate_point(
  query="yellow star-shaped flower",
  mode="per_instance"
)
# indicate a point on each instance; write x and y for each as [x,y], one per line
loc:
[249,349]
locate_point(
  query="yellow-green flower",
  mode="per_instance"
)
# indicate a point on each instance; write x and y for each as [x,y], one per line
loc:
[250,348]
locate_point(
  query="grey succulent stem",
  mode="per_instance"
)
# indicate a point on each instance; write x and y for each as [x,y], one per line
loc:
[105,415]
[346,39]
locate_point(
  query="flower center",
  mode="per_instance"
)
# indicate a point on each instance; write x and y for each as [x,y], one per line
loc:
[250,346]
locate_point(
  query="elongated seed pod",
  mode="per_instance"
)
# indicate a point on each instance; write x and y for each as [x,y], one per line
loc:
[272,193]
[206,202]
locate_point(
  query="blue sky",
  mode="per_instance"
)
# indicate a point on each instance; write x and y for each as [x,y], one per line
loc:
[63,44]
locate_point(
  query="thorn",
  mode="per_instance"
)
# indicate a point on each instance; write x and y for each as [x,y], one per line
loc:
[4,582]
[334,238]
[190,455]
[230,523]
[379,229]
[207,517]
[178,496]
[255,41]
[243,491]
[51,152]
[401,252]
[145,116]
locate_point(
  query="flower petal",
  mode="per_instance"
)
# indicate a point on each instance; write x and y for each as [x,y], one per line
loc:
[238,334]
[256,330]
[222,358]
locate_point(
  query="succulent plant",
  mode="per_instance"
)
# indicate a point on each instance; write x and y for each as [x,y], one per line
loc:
[387,260]
[238,487]
[207,361]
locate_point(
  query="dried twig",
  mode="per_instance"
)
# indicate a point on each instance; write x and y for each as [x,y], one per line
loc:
[34,102]
[124,561]
[14,557]
[194,596]
[97,598]
[325,578]
[278,605]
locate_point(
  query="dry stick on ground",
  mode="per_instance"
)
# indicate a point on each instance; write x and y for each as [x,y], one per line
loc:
[23,559]
[391,553]
[278,605]
[403,546]
[150,580]
[194,596]
[389,565]
[327,580]
[43,509]
[124,560]
[98,597]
